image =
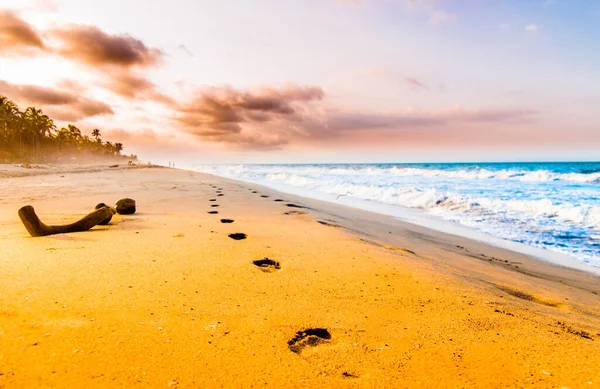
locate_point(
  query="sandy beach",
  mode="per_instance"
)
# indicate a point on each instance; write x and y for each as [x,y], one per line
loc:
[168,298]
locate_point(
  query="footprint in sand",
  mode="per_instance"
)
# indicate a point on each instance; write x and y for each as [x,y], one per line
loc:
[220,194]
[308,338]
[213,212]
[212,200]
[325,223]
[264,196]
[254,191]
[294,213]
[278,200]
[214,205]
[238,236]
[529,297]
[295,205]
[267,265]
[226,221]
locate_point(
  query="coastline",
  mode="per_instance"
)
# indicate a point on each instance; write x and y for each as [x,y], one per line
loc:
[373,281]
[544,211]
[389,231]
[419,218]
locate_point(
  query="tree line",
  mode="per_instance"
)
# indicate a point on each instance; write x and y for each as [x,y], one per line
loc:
[31,136]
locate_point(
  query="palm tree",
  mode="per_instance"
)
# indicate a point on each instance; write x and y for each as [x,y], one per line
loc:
[9,115]
[74,132]
[109,148]
[28,135]
[45,130]
[9,122]
[118,148]
[39,127]
[96,135]
[61,138]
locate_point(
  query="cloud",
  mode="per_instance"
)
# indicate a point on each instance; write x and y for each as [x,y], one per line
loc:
[415,84]
[337,121]
[273,117]
[36,94]
[146,137]
[71,86]
[438,16]
[350,121]
[17,37]
[456,125]
[148,143]
[134,87]
[486,115]
[533,27]
[92,46]
[65,105]
[81,43]
[225,114]
[117,58]
[82,109]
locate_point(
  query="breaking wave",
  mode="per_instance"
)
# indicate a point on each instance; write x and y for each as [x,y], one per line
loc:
[550,205]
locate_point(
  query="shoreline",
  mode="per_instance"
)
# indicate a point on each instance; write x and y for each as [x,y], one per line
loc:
[422,219]
[378,223]
[167,297]
[472,201]
[376,227]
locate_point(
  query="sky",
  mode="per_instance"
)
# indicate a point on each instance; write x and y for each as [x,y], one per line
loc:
[269,81]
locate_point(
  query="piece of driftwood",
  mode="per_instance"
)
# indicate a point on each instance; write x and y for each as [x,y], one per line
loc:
[108,219]
[125,206]
[35,227]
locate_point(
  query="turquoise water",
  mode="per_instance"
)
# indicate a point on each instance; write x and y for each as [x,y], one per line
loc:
[554,206]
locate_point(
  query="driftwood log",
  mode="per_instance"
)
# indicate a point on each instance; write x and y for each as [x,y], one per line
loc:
[108,219]
[35,227]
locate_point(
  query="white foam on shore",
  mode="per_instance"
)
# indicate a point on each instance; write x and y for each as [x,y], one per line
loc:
[505,208]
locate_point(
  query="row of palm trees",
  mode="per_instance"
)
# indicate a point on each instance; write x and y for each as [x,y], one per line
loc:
[31,136]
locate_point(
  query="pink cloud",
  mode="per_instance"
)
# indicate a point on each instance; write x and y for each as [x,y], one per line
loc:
[61,104]
[92,46]
[275,117]
[225,114]
[17,37]
[130,85]
[414,83]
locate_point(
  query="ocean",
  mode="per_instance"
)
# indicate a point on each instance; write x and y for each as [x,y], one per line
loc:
[553,206]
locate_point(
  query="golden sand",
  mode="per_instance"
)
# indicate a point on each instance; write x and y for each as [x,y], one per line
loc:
[165,298]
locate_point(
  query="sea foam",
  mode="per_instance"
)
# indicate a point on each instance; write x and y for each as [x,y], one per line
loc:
[555,206]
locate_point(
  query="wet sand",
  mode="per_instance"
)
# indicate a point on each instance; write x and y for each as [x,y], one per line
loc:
[216,283]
